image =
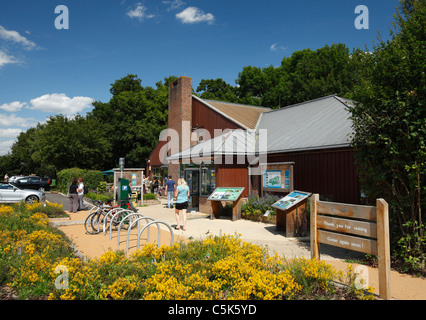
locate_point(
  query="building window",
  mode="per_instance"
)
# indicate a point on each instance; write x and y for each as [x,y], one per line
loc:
[208,179]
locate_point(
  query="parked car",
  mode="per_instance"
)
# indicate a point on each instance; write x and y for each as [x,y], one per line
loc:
[12,193]
[35,183]
[13,178]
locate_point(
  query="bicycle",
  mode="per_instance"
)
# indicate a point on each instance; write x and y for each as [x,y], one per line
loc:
[97,215]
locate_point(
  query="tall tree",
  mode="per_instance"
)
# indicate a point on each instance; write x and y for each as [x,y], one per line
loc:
[133,118]
[217,89]
[390,129]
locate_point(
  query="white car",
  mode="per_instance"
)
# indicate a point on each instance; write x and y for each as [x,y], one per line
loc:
[10,193]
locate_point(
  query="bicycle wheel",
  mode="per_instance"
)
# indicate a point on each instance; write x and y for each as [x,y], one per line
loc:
[88,223]
[98,221]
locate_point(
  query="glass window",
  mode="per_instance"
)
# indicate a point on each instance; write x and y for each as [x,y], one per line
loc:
[208,179]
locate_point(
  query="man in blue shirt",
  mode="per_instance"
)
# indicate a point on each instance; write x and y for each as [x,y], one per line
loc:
[170,188]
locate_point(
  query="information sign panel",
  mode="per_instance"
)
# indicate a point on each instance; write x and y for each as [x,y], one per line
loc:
[277,177]
[226,194]
[290,200]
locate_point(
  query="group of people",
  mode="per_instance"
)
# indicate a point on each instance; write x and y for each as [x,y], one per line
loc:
[181,193]
[76,195]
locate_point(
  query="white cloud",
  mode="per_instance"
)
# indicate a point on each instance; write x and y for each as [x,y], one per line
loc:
[10,132]
[13,121]
[5,59]
[173,4]
[275,47]
[193,15]
[15,37]
[139,12]
[13,106]
[60,103]
[5,146]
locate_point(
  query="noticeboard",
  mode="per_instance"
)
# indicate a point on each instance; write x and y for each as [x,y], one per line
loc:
[226,194]
[291,199]
[277,177]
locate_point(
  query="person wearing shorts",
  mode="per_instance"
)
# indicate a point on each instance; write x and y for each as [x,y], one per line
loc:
[182,198]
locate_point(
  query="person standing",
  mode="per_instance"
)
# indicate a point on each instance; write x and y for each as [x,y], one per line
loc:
[155,186]
[80,191]
[73,196]
[170,190]
[182,198]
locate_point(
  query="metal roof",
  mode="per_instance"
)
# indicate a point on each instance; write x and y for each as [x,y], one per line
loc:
[316,124]
[234,142]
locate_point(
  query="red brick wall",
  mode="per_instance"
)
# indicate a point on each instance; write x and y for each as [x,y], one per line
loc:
[180,110]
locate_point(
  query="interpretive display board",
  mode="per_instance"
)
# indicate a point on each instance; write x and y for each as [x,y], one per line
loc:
[291,213]
[277,177]
[291,200]
[226,194]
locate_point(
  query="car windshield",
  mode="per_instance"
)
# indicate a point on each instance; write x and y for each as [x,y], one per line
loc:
[7,186]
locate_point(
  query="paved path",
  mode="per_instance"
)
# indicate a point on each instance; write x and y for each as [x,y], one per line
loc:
[199,226]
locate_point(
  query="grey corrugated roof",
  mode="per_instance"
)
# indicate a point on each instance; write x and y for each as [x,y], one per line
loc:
[315,124]
[234,142]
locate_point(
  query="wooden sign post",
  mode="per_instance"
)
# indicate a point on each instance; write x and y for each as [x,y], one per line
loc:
[359,228]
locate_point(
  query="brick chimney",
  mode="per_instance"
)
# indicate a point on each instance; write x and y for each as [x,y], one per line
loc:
[180,115]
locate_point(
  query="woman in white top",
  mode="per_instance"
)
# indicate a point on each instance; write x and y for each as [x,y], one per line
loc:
[182,198]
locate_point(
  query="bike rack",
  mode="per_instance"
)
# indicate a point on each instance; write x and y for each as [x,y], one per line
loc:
[110,214]
[114,213]
[128,216]
[159,232]
[117,213]
[130,228]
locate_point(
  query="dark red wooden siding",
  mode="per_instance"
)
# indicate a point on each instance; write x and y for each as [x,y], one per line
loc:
[330,173]
[232,175]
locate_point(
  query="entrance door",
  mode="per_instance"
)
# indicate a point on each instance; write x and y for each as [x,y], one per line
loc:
[192,178]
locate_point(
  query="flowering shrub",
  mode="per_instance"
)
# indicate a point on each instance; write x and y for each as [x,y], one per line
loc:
[222,267]
[255,207]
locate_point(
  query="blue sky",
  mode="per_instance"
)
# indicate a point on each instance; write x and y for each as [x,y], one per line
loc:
[46,71]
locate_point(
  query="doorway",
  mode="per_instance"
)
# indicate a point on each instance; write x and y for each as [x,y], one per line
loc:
[192,178]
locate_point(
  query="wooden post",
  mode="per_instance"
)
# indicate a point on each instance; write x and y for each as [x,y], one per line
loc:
[383,248]
[216,208]
[236,209]
[314,232]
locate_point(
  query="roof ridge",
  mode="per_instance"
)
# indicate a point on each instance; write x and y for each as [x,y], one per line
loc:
[236,104]
[304,102]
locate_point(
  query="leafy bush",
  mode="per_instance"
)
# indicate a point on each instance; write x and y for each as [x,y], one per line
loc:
[103,197]
[29,247]
[256,207]
[149,196]
[91,178]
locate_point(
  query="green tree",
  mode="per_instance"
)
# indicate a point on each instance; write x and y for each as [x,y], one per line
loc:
[306,75]
[133,118]
[64,143]
[217,89]
[390,129]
